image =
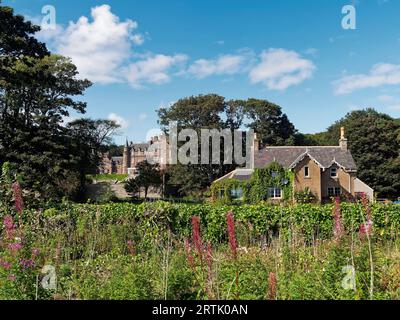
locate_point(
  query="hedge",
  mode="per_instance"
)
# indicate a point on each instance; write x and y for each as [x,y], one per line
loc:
[312,221]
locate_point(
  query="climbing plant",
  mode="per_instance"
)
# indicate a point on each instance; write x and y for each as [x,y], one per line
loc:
[256,189]
[272,176]
[221,191]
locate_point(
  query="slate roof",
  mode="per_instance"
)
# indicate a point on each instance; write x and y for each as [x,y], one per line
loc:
[238,174]
[288,157]
[139,146]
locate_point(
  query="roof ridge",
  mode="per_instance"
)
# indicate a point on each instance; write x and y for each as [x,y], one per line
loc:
[276,147]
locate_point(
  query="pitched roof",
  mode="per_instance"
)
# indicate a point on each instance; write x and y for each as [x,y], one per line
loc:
[238,174]
[288,157]
[139,146]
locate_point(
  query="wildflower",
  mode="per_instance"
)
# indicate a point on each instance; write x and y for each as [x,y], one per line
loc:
[5,264]
[27,263]
[8,222]
[231,233]
[197,237]
[188,254]
[272,285]
[338,229]
[131,247]
[14,247]
[19,202]
[366,228]
[12,277]
[9,226]
[35,252]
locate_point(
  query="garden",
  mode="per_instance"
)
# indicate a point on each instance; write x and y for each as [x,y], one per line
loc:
[199,251]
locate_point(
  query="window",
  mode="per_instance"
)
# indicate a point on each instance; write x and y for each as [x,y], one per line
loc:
[333,172]
[306,172]
[275,193]
[334,192]
[237,193]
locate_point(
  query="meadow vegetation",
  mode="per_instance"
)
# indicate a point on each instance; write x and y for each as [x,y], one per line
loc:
[184,251]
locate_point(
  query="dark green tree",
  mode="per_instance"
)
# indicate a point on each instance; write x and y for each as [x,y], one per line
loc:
[373,139]
[213,111]
[209,111]
[37,90]
[88,138]
[271,125]
[148,176]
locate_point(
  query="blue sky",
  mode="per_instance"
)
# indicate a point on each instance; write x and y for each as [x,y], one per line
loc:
[144,54]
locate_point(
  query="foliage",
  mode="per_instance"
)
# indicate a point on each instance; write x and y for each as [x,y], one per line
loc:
[148,175]
[38,90]
[304,196]
[373,139]
[221,190]
[215,112]
[137,251]
[271,125]
[88,137]
[274,175]
[256,189]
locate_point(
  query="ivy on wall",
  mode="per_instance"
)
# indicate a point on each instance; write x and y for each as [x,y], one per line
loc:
[272,176]
[256,189]
[221,190]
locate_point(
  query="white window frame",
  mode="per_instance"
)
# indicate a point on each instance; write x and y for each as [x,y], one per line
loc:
[334,192]
[272,193]
[306,171]
[237,193]
[334,172]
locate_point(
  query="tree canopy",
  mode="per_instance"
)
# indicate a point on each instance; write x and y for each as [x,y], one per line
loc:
[212,111]
[373,139]
[38,90]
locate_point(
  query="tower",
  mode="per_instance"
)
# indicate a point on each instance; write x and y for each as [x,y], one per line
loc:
[126,158]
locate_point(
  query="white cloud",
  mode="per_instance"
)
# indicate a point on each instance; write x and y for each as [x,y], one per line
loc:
[311,51]
[98,47]
[280,69]
[380,74]
[142,116]
[118,120]
[154,69]
[102,50]
[386,98]
[224,64]
[138,39]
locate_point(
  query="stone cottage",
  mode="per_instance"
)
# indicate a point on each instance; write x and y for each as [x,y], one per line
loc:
[327,171]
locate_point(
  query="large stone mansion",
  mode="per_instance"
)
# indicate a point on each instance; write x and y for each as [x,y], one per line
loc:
[133,154]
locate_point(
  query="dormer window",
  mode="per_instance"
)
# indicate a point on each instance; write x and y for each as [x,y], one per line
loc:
[306,172]
[334,173]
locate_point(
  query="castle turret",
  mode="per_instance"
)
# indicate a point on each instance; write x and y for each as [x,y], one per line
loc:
[126,158]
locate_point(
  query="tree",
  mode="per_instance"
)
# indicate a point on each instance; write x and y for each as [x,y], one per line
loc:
[209,111]
[271,125]
[373,139]
[36,91]
[17,36]
[214,112]
[148,176]
[88,139]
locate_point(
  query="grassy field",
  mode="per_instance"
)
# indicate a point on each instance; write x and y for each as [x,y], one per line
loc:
[108,177]
[165,251]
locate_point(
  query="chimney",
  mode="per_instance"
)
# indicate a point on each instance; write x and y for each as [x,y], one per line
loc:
[343,140]
[256,142]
